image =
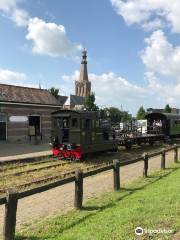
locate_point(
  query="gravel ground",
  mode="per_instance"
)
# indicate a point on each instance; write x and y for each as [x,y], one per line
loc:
[60,199]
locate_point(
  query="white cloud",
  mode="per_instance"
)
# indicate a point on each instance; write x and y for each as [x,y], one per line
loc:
[144,11]
[114,90]
[160,56]
[15,78]
[50,39]
[153,25]
[20,17]
[7,5]
[110,89]
[167,93]
[7,76]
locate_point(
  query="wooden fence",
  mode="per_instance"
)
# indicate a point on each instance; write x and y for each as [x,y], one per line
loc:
[12,195]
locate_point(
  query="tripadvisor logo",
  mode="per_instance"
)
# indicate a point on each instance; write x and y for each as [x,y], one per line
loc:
[139,231]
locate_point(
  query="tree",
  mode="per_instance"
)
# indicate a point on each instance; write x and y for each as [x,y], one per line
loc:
[140,113]
[54,91]
[167,109]
[126,116]
[90,102]
[115,114]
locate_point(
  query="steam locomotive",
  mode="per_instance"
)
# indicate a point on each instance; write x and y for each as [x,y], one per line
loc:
[78,133]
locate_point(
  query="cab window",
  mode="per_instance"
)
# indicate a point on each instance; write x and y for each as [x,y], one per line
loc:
[87,124]
[74,122]
[97,123]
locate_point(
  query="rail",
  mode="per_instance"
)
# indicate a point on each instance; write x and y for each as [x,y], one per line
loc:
[10,199]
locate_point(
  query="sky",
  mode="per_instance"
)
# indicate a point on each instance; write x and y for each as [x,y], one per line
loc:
[133,48]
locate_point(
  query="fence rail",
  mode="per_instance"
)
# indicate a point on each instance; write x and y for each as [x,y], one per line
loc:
[12,196]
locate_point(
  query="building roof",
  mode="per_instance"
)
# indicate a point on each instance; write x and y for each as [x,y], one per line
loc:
[74,100]
[62,99]
[19,94]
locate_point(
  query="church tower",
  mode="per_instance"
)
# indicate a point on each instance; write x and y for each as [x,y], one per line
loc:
[83,85]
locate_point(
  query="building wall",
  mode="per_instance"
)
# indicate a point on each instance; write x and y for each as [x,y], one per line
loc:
[19,131]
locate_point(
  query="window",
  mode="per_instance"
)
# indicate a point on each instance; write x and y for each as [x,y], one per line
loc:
[87,123]
[93,123]
[65,123]
[74,122]
[97,123]
[59,122]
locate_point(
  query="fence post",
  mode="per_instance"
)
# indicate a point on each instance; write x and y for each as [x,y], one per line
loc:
[10,215]
[163,159]
[116,175]
[175,153]
[145,170]
[78,189]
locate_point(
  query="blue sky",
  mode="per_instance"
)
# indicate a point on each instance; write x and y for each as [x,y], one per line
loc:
[133,48]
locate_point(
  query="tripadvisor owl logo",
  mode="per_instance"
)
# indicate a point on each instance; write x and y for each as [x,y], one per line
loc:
[139,231]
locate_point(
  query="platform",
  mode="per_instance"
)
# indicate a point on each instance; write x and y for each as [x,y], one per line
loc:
[13,152]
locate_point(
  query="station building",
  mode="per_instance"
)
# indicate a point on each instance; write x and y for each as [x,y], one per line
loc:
[26,113]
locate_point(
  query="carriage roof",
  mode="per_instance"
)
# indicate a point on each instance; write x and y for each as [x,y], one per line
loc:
[69,113]
[165,115]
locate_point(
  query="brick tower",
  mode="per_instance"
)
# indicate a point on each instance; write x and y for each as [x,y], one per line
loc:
[83,85]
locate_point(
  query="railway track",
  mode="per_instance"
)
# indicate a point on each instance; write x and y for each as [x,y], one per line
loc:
[53,178]
[54,165]
[10,166]
[49,170]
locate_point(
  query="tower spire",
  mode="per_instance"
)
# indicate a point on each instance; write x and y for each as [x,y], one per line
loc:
[83,86]
[83,76]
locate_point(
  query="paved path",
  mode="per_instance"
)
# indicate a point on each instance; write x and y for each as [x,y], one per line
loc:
[9,151]
[60,199]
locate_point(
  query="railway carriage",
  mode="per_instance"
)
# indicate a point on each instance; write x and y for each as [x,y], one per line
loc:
[167,124]
[77,133]
[160,127]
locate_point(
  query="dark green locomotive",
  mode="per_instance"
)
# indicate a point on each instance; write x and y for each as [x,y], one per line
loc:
[77,133]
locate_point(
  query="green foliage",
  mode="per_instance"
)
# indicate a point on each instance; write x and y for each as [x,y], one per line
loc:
[167,109]
[54,91]
[90,102]
[115,115]
[140,113]
[152,203]
[126,116]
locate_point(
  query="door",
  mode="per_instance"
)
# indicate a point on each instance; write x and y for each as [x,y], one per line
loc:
[2,131]
[35,122]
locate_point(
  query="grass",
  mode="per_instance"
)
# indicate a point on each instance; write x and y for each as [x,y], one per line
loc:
[152,203]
